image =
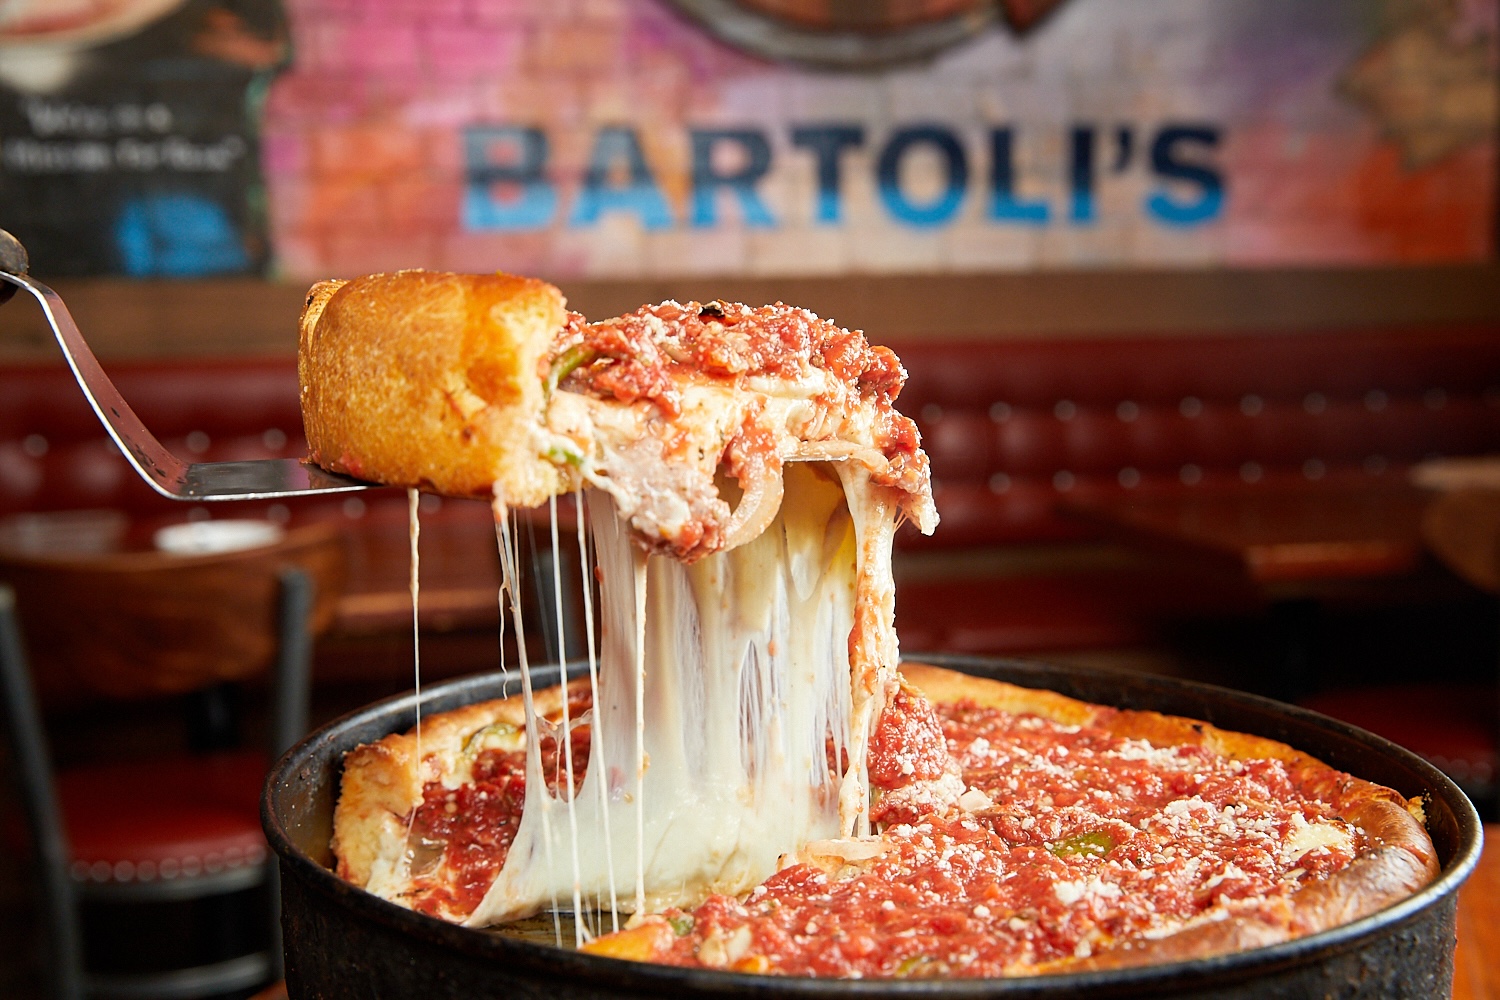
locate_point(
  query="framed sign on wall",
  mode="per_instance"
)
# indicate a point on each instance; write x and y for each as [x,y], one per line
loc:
[129,133]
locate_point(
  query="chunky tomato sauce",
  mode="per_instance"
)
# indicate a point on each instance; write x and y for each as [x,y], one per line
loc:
[1067,839]
[911,771]
[643,355]
[460,836]
[728,340]
[908,743]
[1009,842]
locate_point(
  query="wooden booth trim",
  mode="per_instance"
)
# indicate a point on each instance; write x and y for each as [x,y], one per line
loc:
[243,316]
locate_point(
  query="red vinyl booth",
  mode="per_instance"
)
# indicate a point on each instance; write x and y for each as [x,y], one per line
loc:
[1012,426]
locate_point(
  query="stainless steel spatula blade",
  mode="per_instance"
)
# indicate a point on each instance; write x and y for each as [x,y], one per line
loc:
[261,479]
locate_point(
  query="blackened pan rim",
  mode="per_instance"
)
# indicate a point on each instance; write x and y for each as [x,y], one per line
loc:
[621,973]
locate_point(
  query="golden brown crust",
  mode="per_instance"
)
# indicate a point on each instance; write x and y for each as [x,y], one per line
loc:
[645,942]
[1393,867]
[1398,859]
[431,380]
[380,786]
[1221,937]
[944,687]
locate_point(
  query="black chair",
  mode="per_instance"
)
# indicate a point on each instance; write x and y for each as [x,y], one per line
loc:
[154,848]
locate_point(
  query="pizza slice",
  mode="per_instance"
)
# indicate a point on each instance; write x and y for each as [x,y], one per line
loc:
[486,386]
[744,470]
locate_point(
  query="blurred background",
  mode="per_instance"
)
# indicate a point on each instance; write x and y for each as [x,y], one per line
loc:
[1199,300]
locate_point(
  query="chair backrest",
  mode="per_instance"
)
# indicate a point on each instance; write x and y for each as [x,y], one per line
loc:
[145,624]
[33,764]
[54,454]
[289,635]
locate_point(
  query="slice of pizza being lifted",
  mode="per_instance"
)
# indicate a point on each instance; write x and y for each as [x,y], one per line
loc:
[744,472]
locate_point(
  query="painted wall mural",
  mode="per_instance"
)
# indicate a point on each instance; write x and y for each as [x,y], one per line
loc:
[128,133]
[633,138]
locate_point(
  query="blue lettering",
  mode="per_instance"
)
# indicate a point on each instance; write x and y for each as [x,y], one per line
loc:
[1081,174]
[826,143]
[945,205]
[1167,164]
[1124,148]
[505,186]
[1004,206]
[617,150]
[740,181]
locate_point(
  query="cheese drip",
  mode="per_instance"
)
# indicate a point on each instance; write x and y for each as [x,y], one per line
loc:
[723,708]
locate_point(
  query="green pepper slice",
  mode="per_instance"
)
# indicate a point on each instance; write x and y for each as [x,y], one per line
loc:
[921,967]
[1095,843]
[569,361]
[508,736]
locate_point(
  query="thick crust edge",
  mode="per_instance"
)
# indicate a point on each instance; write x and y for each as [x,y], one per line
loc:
[431,380]
[1400,859]
[380,786]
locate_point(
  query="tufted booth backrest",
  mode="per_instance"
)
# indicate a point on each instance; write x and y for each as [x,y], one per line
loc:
[54,454]
[1013,426]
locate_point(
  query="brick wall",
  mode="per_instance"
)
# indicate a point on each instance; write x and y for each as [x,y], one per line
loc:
[614,138]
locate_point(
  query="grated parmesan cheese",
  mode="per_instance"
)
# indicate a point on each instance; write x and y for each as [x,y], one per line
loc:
[1306,837]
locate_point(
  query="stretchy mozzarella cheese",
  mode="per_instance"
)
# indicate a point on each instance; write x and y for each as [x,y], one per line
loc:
[723,711]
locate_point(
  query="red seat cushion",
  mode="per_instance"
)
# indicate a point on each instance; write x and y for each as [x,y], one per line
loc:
[1452,725]
[164,817]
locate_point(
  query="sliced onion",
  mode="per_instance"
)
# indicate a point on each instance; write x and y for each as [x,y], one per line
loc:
[839,451]
[831,855]
[973,800]
[757,507]
[848,848]
[823,451]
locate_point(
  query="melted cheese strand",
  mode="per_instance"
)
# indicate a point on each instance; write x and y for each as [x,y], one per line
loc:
[414,532]
[585,565]
[503,591]
[581,932]
[873,650]
[639,562]
[537,799]
[721,684]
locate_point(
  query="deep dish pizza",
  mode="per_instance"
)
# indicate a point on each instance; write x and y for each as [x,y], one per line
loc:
[744,775]
[1020,832]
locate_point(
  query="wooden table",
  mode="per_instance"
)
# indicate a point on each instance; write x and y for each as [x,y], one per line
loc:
[1299,545]
[1274,535]
[460,571]
[1476,967]
[459,577]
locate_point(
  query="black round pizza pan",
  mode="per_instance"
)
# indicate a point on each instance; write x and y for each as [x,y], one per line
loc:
[343,942]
